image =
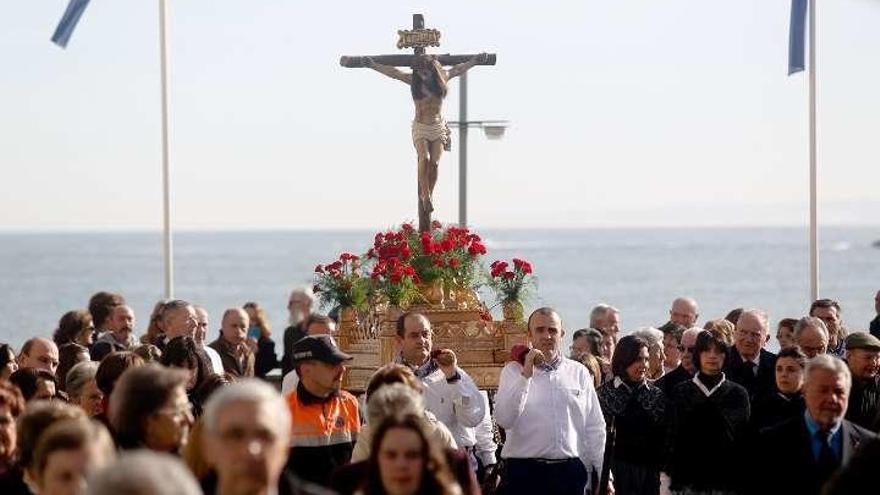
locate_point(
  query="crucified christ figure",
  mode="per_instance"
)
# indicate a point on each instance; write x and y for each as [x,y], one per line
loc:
[430,133]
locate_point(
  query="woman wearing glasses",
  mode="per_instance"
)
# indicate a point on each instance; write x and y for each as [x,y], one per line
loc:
[149,409]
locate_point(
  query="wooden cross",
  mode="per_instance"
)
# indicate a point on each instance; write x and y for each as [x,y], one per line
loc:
[418,39]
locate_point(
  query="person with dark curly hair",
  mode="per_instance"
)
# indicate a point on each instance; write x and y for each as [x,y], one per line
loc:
[76,327]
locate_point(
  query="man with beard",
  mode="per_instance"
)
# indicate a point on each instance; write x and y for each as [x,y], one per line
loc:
[551,415]
[325,418]
[430,134]
[299,307]
[808,449]
[119,335]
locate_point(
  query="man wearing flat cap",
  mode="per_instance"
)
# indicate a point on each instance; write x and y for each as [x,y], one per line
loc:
[863,360]
[324,417]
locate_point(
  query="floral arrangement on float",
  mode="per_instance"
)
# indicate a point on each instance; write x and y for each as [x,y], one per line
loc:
[437,267]
[439,262]
[512,283]
[339,283]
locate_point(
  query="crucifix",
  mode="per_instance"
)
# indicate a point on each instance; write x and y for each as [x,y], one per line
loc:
[428,86]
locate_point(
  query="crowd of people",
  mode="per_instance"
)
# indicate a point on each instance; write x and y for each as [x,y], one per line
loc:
[682,408]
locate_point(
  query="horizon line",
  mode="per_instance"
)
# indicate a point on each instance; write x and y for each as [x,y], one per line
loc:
[235,229]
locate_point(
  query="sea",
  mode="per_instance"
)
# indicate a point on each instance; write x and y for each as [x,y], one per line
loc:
[638,270]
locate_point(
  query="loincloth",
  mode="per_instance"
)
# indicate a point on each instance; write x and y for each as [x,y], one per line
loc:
[437,131]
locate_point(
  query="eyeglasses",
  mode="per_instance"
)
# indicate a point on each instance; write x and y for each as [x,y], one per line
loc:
[183,411]
[746,333]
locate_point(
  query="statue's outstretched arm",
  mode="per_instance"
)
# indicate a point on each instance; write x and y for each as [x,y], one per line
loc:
[460,69]
[390,71]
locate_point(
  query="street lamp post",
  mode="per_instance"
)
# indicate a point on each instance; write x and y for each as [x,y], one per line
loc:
[493,129]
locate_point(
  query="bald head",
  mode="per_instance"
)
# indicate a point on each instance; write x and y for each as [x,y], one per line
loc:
[39,353]
[234,325]
[684,312]
[201,325]
[751,333]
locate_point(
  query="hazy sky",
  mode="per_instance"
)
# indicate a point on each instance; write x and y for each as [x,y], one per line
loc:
[673,112]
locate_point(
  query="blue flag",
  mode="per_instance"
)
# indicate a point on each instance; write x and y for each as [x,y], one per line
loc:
[68,22]
[796,34]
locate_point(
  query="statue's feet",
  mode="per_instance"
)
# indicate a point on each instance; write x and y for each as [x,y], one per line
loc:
[428,205]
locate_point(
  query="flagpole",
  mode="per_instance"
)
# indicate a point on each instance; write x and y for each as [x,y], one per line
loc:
[167,251]
[814,228]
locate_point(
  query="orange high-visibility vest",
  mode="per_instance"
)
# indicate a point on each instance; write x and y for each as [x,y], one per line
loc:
[322,424]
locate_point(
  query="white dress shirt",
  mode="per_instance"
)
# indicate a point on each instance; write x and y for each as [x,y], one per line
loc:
[552,415]
[458,405]
[216,362]
[485,435]
[289,383]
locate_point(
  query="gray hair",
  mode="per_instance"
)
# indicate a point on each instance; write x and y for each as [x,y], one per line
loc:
[171,307]
[807,322]
[395,398]
[144,472]
[79,376]
[600,311]
[651,335]
[760,314]
[830,363]
[252,391]
[303,290]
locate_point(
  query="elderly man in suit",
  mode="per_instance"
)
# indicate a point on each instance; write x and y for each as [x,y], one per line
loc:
[800,454]
[748,363]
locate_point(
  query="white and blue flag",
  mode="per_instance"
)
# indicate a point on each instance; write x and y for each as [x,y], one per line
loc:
[796,36]
[68,22]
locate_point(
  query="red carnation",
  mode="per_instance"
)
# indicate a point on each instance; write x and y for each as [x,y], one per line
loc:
[319,269]
[454,262]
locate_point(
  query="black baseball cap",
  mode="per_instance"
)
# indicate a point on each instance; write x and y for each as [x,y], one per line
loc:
[318,348]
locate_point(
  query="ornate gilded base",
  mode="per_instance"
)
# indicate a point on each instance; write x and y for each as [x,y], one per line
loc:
[482,347]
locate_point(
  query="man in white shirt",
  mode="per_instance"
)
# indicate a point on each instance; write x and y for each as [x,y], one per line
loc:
[450,393]
[551,414]
[200,334]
